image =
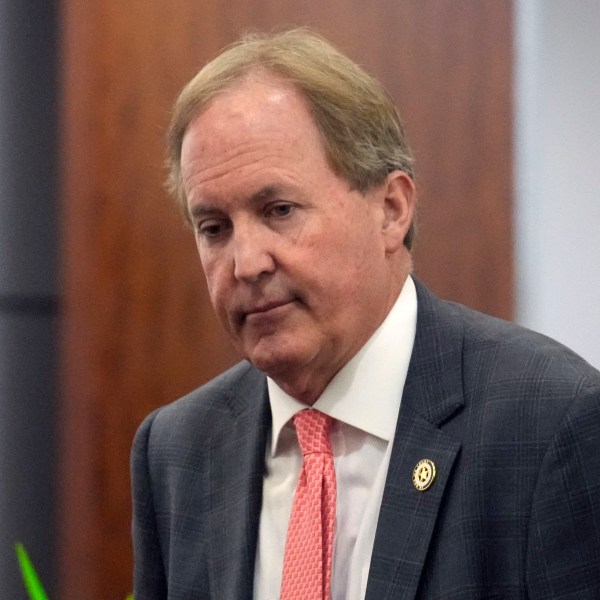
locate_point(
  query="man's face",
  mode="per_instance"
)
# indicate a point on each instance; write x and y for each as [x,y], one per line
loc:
[294,259]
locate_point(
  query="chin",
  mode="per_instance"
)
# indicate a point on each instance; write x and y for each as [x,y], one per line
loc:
[272,365]
[276,362]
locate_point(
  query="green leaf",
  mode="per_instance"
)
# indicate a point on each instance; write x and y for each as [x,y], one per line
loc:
[30,578]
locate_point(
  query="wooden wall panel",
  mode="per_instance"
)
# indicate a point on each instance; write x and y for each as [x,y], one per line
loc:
[138,330]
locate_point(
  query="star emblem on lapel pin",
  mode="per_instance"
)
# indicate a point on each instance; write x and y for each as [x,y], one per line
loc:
[423,474]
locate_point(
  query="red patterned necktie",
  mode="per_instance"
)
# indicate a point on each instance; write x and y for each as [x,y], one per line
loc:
[309,543]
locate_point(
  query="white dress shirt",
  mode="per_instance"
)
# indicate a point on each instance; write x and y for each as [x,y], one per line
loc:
[364,399]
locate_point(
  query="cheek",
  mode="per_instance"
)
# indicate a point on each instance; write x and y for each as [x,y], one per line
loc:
[213,274]
[347,270]
[332,277]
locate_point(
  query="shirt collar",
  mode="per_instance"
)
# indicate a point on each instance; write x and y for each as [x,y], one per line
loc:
[377,372]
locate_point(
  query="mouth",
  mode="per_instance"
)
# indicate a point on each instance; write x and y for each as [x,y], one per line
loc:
[265,310]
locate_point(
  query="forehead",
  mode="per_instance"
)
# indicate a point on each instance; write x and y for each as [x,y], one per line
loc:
[258,106]
[260,114]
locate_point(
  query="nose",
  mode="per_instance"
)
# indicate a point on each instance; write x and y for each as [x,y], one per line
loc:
[252,254]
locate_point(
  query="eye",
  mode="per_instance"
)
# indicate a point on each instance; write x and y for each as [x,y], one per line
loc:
[280,209]
[212,228]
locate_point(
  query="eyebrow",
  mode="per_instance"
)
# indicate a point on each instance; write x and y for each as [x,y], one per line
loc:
[265,194]
[202,210]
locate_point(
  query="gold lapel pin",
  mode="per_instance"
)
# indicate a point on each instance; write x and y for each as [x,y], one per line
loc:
[423,474]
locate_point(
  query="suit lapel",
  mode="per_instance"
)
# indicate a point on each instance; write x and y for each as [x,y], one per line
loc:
[432,394]
[236,469]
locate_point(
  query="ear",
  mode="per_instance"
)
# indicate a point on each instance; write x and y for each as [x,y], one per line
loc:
[399,209]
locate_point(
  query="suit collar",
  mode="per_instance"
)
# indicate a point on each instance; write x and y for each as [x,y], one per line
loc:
[432,394]
[236,470]
[434,386]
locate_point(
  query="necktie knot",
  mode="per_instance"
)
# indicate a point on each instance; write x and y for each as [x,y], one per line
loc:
[312,428]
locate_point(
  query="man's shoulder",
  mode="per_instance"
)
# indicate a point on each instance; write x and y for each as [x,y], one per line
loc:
[520,350]
[221,392]
[495,344]
[501,366]
[515,377]
[515,383]
[210,407]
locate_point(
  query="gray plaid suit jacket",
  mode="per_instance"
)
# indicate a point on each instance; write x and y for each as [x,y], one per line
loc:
[510,418]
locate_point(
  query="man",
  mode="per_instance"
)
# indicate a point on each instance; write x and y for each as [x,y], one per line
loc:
[466,450]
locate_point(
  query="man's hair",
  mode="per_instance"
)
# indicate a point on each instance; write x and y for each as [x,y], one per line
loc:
[362,133]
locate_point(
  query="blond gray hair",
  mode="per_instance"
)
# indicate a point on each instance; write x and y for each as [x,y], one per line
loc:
[362,133]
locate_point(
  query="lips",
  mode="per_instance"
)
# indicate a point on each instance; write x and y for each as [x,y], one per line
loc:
[263,309]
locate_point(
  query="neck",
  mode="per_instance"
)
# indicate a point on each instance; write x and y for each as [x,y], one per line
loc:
[307,382]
